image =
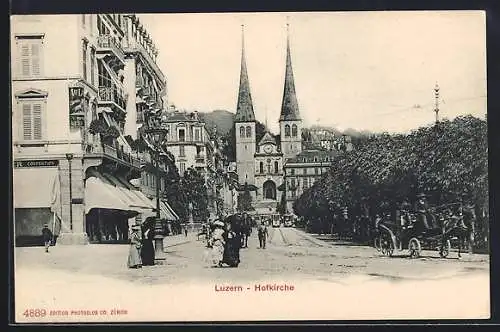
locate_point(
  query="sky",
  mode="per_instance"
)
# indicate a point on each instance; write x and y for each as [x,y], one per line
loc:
[371,71]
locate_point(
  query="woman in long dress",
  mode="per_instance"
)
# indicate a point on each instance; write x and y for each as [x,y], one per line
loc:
[218,243]
[134,256]
[147,250]
[232,247]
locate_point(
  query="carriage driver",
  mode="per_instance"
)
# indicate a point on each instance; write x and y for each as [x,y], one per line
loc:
[421,210]
[405,213]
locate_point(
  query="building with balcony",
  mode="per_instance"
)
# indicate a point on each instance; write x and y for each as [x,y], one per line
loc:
[303,170]
[190,143]
[146,87]
[73,166]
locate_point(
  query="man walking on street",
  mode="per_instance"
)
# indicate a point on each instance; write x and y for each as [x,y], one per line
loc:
[262,232]
[47,237]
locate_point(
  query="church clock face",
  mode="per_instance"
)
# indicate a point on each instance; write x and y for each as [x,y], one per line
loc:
[268,148]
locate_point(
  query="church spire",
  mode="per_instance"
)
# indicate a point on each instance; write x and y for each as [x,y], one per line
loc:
[244,108]
[289,105]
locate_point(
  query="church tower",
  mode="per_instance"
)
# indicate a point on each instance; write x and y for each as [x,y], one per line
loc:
[290,121]
[244,123]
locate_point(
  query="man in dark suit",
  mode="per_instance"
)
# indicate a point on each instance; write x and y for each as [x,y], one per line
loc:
[47,237]
[262,232]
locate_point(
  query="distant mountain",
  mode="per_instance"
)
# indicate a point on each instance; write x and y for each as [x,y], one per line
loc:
[223,119]
[349,131]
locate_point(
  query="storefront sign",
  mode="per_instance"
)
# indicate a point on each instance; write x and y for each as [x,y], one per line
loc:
[36,163]
[76,107]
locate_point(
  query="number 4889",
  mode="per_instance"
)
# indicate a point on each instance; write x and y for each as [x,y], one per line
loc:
[35,313]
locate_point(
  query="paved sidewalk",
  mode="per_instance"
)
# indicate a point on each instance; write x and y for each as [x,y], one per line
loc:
[175,240]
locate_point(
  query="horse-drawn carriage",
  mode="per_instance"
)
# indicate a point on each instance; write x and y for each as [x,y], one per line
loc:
[410,233]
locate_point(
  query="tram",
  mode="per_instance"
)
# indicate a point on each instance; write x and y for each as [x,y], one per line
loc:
[275,220]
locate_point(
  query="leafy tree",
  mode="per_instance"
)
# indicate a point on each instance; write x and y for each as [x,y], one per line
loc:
[447,161]
[175,193]
[244,201]
[281,208]
[193,185]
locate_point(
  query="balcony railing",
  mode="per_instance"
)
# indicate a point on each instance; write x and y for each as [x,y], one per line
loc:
[200,159]
[113,95]
[108,43]
[114,153]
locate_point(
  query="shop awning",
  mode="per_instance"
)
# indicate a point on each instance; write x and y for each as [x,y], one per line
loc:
[33,187]
[122,197]
[166,212]
[100,195]
[133,198]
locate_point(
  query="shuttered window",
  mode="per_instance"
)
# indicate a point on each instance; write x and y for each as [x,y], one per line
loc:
[32,120]
[30,59]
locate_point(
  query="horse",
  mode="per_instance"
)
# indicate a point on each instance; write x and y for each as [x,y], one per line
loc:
[460,226]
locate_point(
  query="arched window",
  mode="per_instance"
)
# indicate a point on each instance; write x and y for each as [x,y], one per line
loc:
[269,166]
[269,190]
[261,167]
[276,167]
[249,131]
[287,131]
[294,130]
[242,131]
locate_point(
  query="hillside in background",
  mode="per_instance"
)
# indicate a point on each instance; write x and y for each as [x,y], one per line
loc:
[221,118]
[349,131]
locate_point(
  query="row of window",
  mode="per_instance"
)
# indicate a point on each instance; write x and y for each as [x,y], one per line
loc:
[199,150]
[293,185]
[247,131]
[149,180]
[269,168]
[312,170]
[181,134]
[315,159]
[294,130]
[140,37]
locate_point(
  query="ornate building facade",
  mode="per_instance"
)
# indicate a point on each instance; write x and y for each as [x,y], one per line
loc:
[261,163]
[73,165]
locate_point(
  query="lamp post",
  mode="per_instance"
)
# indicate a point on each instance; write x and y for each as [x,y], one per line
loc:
[69,157]
[158,135]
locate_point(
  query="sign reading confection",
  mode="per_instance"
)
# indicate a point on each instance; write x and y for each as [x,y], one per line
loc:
[35,163]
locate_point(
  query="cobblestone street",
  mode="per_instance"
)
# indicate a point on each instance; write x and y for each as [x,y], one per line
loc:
[92,275]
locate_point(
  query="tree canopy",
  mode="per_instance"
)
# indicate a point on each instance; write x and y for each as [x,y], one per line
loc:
[447,162]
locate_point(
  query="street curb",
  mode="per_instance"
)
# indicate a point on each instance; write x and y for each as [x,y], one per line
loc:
[177,244]
[313,239]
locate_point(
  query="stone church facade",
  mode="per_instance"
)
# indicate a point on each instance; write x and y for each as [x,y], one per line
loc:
[261,163]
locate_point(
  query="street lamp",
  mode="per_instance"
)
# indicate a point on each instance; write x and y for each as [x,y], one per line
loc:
[158,135]
[69,157]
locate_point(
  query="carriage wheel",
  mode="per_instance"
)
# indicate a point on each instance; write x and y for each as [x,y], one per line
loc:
[445,249]
[377,243]
[386,246]
[414,248]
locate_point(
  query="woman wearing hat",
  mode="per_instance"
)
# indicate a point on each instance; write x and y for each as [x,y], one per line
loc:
[147,248]
[217,242]
[421,210]
[232,246]
[134,253]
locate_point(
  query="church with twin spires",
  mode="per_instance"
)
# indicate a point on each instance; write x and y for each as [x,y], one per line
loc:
[261,163]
